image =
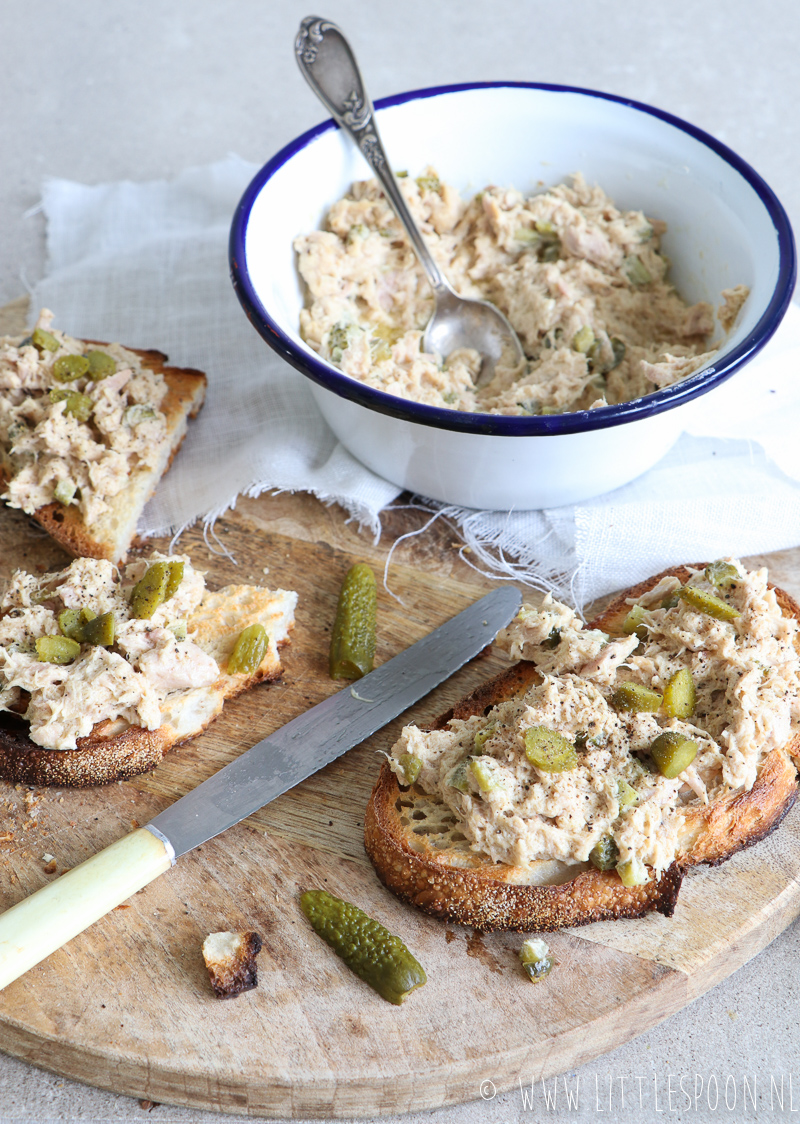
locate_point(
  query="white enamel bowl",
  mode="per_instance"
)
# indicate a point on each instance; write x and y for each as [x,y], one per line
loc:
[726,227]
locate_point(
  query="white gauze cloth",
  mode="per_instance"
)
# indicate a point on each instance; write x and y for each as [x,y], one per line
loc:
[146,264]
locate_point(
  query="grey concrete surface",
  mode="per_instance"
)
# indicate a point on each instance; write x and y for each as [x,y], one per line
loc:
[94,91]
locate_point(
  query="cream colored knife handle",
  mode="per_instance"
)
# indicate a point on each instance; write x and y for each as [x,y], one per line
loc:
[45,921]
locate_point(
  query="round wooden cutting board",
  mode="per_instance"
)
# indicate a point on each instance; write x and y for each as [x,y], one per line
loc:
[127,1005]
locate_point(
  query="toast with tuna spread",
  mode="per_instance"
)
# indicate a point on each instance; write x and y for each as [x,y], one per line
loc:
[582,783]
[102,673]
[87,430]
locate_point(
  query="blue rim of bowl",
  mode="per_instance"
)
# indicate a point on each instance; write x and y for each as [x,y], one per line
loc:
[500,424]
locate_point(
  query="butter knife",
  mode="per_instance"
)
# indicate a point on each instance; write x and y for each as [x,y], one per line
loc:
[35,927]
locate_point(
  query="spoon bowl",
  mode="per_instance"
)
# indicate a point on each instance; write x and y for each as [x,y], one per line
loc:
[328,64]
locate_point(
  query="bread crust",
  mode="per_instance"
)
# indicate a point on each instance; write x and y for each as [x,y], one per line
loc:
[186,388]
[469,889]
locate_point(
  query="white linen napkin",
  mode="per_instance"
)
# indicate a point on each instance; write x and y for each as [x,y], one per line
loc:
[146,264]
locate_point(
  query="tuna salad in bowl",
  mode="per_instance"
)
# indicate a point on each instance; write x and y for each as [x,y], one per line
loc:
[641,262]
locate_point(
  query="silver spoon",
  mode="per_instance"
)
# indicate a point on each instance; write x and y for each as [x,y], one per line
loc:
[330,68]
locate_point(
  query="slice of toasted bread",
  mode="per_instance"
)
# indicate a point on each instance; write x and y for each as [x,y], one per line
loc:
[116,750]
[111,534]
[420,852]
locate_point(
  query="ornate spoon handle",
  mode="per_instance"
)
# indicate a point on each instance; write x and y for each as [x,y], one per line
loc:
[330,68]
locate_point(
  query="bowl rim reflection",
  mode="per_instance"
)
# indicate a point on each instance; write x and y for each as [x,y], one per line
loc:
[579,421]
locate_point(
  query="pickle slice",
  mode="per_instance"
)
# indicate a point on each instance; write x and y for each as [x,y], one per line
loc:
[604,854]
[73,623]
[99,631]
[101,365]
[626,794]
[633,872]
[673,752]
[353,639]
[485,771]
[536,959]
[721,574]
[148,593]
[174,579]
[708,603]
[482,736]
[367,948]
[57,649]
[249,650]
[457,778]
[411,766]
[67,368]
[549,751]
[636,698]
[680,694]
[44,341]
[634,622]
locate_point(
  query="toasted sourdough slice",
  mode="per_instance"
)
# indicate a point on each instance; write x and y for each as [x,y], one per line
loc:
[116,750]
[420,853]
[112,532]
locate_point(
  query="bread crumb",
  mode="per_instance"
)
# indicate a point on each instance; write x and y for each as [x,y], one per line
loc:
[231,962]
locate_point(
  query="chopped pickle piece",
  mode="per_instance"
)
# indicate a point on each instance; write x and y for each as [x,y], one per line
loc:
[535,959]
[626,793]
[383,339]
[138,413]
[553,639]
[73,623]
[67,368]
[64,492]
[367,948]
[179,630]
[429,183]
[482,736]
[486,772]
[79,406]
[634,622]
[671,599]
[44,341]
[680,694]
[249,650]
[604,854]
[708,603]
[148,593]
[411,766]
[636,271]
[526,234]
[551,251]
[70,623]
[100,631]
[457,777]
[722,574]
[549,751]
[673,752]
[353,638]
[101,365]
[633,872]
[583,339]
[57,649]
[338,341]
[174,579]
[636,698]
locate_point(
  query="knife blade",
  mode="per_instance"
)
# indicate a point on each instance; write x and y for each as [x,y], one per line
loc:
[34,928]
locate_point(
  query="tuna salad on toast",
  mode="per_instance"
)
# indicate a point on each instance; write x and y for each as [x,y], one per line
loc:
[87,430]
[102,672]
[582,783]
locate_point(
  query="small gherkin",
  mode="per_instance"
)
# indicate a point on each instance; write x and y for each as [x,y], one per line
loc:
[367,948]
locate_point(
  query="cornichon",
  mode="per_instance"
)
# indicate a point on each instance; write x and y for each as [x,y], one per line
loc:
[673,752]
[367,948]
[536,959]
[80,406]
[721,574]
[636,698]
[486,772]
[57,649]
[604,854]
[708,603]
[633,872]
[69,367]
[101,365]
[99,631]
[44,341]
[549,751]
[458,778]
[482,736]
[680,694]
[158,584]
[249,650]
[411,766]
[635,622]
[353,638]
